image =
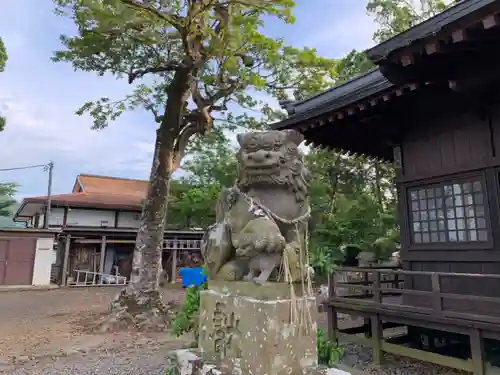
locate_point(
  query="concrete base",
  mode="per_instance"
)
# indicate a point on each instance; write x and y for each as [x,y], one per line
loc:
[192,362]
[250,329]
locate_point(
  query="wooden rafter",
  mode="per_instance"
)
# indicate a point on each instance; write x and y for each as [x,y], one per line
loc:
[409,56]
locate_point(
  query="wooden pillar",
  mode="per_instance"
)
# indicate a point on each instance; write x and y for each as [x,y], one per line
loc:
[65,261]
[477,351]
[376,330]
[331,312]
[366,293]
[103,254]
[174,266]
[437,302]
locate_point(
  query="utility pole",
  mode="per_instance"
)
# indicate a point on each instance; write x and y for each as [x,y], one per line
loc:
[50,168]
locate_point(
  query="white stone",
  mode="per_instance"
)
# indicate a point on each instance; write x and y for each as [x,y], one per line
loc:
[336,371]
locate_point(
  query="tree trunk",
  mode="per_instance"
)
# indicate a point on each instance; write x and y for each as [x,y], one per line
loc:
[140,305]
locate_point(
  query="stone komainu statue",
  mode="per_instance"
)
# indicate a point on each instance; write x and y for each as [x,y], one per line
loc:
[261,222]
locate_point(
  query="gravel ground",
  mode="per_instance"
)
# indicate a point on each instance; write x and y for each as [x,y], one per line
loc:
[146,360]
[44,323]
[360,358]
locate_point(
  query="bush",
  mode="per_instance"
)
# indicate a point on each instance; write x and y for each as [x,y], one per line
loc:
[328,352]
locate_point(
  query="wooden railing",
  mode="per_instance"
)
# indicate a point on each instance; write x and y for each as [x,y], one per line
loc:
[378,305]
[373,290]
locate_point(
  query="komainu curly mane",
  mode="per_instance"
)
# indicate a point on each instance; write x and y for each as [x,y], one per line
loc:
[289,171]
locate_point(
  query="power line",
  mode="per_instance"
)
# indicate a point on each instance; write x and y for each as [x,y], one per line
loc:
[26,167]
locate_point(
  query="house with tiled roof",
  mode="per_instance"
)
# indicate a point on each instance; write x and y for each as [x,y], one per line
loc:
[97,224]
[96,201]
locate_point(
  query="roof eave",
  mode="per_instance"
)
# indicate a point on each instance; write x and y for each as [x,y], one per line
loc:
[377,84]
[425,29]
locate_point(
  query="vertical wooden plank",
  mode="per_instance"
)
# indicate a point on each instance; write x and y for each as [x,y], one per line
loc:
[477,351]
[103,258]
[331,285]
[64,276]
[174,266]
[437,302]
[366,292]
[331,312]
[377,295]
[376,333]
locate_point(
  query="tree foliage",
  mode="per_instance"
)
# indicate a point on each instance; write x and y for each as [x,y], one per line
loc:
[3,61]
[218,45]
[7,191]
[396,16]
[3,56]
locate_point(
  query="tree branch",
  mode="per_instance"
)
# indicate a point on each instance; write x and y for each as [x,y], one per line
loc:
[173,19]
[182,140]
[168,67]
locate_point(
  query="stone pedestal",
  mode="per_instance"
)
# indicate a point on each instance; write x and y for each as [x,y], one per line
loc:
[246,328]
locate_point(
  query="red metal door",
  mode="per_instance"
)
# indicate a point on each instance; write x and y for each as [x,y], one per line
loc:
[3,258]
[19,255]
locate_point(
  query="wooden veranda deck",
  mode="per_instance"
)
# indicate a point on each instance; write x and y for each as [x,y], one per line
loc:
[383,303]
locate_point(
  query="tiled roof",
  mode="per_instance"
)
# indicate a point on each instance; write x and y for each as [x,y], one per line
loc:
[99,200]
[100,192]
[112,185]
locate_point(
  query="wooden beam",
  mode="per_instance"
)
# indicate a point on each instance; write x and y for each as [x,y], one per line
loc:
[437,302]
[477,351]
[377,337]
[490,21]
[103,254]
[458,36]
[431,48]
[65,261]
[95,241]
[406,60]
[424,356]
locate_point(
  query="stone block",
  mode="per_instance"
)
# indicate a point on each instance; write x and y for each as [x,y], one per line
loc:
[192,362]
[250,329]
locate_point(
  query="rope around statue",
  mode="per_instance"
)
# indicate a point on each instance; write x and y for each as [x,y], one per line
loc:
[299,312]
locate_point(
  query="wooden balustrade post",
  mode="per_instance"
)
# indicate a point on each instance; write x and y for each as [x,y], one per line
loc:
[477,352]
[377,295]
[377,337]
[437,302]
[174,265]
[331,312]
[64,273]
[366,282]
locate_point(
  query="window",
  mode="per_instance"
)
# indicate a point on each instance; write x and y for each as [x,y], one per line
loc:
[448,213]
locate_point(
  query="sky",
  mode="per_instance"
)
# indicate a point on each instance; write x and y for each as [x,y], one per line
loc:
[39,97]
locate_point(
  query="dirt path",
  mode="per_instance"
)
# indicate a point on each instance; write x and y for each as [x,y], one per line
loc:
[49,323]
[141,356]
